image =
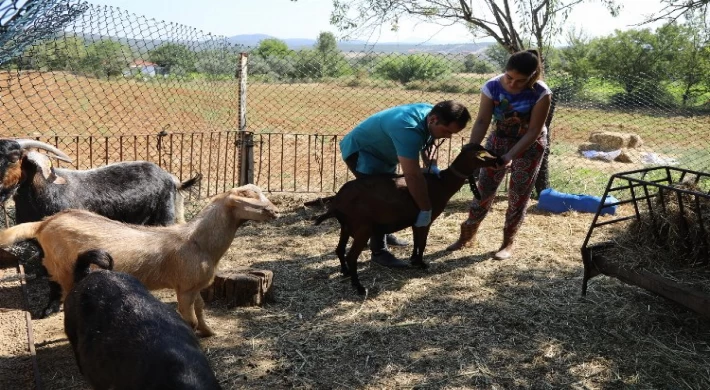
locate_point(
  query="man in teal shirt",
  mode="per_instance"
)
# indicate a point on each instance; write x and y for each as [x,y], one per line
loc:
[397,136]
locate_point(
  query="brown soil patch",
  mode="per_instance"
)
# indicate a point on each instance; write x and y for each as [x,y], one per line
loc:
[467,322]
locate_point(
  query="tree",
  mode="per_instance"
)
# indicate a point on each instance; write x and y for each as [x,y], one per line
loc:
[272,47]
[173,58]
[59,54]
[686,56]
[575,57]
[498,55]
[330,61]
[675,9]
[511,23]
[405,68]
[217,62]
[473,64]
[631,57]
[107,58]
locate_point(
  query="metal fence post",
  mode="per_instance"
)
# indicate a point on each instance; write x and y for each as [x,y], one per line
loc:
[246,172]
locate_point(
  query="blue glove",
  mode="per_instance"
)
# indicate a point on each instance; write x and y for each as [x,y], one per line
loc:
[423,219]
[435,170]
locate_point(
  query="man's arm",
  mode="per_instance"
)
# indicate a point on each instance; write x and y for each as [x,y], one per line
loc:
[416,183]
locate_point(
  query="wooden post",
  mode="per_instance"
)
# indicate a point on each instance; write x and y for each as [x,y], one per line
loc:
[241,287]
[246,141]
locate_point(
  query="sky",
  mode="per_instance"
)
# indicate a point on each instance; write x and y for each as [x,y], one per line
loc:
[307,18]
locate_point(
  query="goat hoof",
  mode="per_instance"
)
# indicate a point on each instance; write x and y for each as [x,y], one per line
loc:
[361,290]
[49,310]
[420,264]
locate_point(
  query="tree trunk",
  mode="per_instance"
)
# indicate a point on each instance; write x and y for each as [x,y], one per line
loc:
[241,287]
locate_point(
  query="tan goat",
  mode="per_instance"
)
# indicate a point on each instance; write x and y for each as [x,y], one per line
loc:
[182,257]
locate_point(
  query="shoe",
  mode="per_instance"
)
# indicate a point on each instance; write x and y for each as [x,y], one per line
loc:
[387,259]
[503,254]
[394,241]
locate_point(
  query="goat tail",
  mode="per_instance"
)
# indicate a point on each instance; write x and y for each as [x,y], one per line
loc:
[190,182]
[98,257]
[23,231]
[329,214]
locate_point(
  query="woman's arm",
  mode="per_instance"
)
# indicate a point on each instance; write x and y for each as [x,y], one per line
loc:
[537,123]
[483,120]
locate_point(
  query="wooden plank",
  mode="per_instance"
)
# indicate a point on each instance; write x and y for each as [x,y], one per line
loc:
[685,296]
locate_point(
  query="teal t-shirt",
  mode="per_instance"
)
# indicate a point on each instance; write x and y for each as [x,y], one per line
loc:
[380,139]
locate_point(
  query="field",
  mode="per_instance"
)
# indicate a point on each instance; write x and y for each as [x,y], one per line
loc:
[67,106]
[468,322]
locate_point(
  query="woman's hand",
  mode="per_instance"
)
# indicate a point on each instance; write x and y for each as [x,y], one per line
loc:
[504,161]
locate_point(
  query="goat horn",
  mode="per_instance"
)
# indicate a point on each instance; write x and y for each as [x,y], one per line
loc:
[29,143]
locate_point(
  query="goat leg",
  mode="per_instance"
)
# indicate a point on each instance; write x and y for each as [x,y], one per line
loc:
[340,250]
[55,299]
[202,326]
[420,237]
[186,307]
[359,243]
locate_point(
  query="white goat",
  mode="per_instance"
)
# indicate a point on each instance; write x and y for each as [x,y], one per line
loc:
[182,257]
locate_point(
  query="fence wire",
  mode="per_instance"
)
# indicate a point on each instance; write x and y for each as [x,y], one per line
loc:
[107,85]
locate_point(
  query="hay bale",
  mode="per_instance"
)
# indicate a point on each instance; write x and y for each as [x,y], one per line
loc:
[635,141]
[624,157]
[589,146]
[610,140]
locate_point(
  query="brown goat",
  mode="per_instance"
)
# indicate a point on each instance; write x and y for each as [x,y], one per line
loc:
[182,257]
[383,204]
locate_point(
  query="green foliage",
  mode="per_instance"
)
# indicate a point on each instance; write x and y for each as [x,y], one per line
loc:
[173,58]
[474,64]
[272,47]
[61,54]
[106,58]
[217,62]
[272,68]
[498,56]
[687,57]
[632,57]
[405,68]
[326,43]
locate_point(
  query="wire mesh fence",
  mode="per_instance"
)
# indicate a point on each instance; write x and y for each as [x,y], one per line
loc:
[107,85]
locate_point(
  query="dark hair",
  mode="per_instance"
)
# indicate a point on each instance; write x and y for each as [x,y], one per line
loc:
[527,63]
[451,111]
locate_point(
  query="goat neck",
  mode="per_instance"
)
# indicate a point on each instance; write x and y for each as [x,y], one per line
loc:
[451,181]
[213,229]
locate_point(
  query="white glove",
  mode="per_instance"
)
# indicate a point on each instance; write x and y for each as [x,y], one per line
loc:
[423,219]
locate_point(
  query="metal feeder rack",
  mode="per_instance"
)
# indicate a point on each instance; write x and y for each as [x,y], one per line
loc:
[648,190]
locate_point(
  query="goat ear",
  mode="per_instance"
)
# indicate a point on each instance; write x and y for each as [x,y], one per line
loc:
[44,164]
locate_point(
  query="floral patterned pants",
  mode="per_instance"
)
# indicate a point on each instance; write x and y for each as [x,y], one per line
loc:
[523,172]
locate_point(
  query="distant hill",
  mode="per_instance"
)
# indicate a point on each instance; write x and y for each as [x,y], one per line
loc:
[252,40]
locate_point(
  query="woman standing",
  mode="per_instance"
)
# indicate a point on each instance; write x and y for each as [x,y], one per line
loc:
[517,102]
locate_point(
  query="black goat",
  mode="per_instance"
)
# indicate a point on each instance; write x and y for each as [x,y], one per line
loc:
[137,192]
[383,204]
[125,338]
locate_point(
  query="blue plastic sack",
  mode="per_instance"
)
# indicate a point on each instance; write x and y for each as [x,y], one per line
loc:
[559,202]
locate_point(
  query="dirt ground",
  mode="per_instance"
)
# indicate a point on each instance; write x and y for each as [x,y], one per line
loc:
[469,321]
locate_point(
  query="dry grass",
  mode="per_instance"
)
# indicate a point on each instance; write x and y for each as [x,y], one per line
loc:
[668,242]
[467,322]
